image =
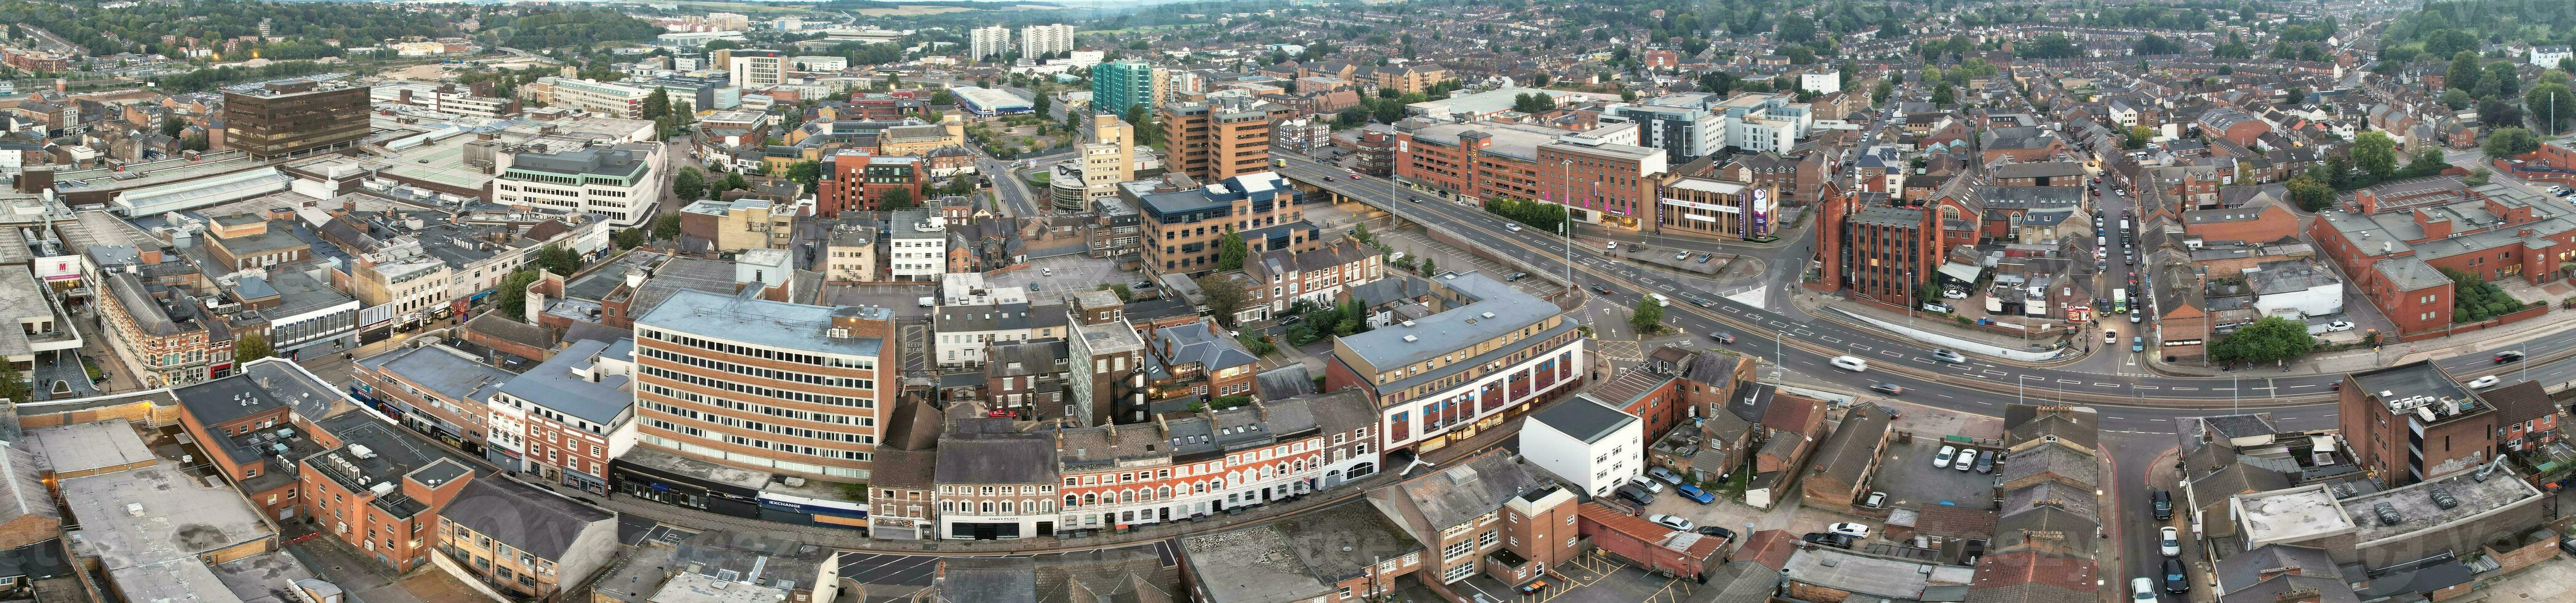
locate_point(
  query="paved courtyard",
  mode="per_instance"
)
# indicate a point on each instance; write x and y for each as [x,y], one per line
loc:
[1061,277]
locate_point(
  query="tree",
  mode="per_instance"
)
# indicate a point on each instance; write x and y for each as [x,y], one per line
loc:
[2473,299]
[252,346]
[2457,99]
[2310,193]
[172,126]
[2464,72]
[897,198]
[807,172]
[1647,317]
[1225,296]
[630,238]
[2294,97]
[514,292]
[2138,137]
[1230,252]
[2376,153]
[2501,80]
[14,386]
[732,182]
[657,104]
[2550,106]
[2272,338]
[1428,267]
[562,261]
[2510,142]
[1944,95]
[689,185]
[2428,161]
[2154,44]
[666,226]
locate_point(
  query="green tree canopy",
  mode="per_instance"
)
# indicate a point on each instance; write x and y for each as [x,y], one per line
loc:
[1225,296]
[251,346]
[2509,142]
[2271,338]
[1647,316]
[2375,153]
[689,185]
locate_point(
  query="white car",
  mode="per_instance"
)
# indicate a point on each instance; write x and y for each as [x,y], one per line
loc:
[1514,227]
[1942,460]
[2171,541]
[1967,460]
[2485,382]
[2339,326]
[1670,521]
[1855,530]
[1649,484]
[2142,590]
[1682,256]
[1610,246]
[1954,294]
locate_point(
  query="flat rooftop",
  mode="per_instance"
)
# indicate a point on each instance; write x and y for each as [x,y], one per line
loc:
[441,162]
[2294,515]
[761,322]
[81,447]
[2418,512]
[2415,388]
[157,515]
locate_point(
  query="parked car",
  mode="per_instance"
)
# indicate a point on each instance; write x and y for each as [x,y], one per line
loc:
[2339,326]
[1666,475]
[1832,540]
[1515,277]
[1942,460]
[2485,382]
[1535,586]
[1695,494]
[1715,531]
[1855,530]
[1681,256]
[1874,500]
[1670,521]
[1954,294]
[1968,459]
[1945,355]
[2170,541]
[2510,356]
[2142,590]
[1636,494]
[1610,246]
[1649,484]
[2176,581]
[1986,462]
[2162,502]
[1937,307]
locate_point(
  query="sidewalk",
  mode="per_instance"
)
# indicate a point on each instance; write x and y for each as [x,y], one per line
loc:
[2433,348]
[1822,306]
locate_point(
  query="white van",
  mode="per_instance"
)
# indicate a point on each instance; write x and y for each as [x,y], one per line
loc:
[1851,363]
[1660,300]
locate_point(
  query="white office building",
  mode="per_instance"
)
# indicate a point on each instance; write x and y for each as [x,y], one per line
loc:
[917,246]
[1588,444]
[759,71]
[620,183]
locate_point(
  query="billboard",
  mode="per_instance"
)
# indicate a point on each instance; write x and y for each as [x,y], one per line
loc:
[1758,210]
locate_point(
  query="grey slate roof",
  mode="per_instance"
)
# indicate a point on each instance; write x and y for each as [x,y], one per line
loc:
[553,385]
[1464,491]
[996,459]
[1194,342]
[542,523]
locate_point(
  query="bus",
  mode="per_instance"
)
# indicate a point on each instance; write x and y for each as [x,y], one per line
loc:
[2119,301]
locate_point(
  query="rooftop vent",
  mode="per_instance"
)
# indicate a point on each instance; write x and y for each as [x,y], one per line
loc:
[2442,498]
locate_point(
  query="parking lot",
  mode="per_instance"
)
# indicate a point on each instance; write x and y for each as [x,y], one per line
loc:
[897,577]
[904,300]
[1907,476]
[1062,277]
[1592,578]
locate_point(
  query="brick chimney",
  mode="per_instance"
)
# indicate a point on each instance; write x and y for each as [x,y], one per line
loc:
[2305,595]
[2269,572]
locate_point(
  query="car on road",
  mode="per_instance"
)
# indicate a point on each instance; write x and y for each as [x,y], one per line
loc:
[2176,581]
[2110,337]
[1515,277]
[2137,344]
[1937,307]
[1829,539]
[1355,175]
[1514,227]
[1855,530]
[1649,484]
[1610,246]
[2162,503]
[1723,337]
[1851,363]
[2137,314]
[2170,541]
[1942,459]
[1601,289]
[1695,494]
[2509,356]
[2485,382]
[2142,590]
[1945,355]
[1968,459]
[1670,521]
[1887,388]
[2339,326]
[1715,531]
[1666,475]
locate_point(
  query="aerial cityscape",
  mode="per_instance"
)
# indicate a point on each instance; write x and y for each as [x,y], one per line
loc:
[1283,301]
